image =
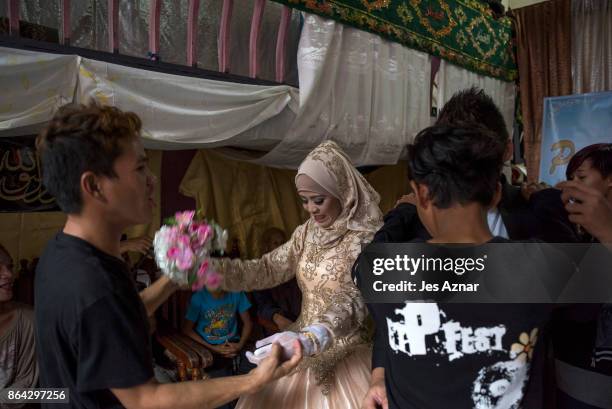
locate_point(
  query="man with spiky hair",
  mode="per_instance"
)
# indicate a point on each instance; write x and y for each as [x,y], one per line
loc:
[92,332]
[511,218]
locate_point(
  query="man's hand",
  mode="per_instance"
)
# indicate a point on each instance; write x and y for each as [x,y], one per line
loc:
[589,208]
[377,394]
[281,321]
[270,369]
[139,245]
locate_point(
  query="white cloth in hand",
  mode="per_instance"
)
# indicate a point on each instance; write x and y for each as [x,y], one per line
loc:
[287,339]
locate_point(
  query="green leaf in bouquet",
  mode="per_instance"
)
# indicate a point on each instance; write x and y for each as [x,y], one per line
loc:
[191,279]
[200,215]
[170,221]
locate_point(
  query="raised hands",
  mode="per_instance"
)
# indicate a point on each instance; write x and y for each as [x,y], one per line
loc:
[589,208]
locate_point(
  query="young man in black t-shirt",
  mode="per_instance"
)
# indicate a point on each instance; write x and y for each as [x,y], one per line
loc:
[432,355]
[92,329]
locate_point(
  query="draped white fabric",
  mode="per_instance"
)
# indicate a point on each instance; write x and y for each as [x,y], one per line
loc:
[33,86]
[178,112]
[181,112]
[452,78]
[369,95]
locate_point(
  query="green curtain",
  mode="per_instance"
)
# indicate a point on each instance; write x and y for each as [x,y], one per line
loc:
[462,32]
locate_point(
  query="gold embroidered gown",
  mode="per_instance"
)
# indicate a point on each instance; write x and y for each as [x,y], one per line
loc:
[321,260]
[338,377]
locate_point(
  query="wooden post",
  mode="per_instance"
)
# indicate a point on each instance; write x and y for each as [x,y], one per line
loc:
[195,374]
[182,372]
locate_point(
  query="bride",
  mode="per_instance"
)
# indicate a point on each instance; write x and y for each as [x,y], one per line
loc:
[344,215]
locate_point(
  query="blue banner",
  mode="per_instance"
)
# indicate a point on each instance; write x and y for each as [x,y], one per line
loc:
[569,124]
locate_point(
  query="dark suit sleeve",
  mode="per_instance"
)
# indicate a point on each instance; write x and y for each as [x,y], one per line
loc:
[378,353]
[603,342]
[380,341]
[402,224]
[553,225]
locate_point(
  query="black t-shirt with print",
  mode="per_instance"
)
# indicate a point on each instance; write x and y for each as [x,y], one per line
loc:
[91,326]
[456,355]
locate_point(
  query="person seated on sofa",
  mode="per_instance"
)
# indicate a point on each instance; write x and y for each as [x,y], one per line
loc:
[212,320]
[18,365]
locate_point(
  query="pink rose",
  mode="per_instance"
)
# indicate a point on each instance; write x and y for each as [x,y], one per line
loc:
[199,283]
[203,269]
[183,240]
[203,233]
[184,218]
[172,253]
[185,259]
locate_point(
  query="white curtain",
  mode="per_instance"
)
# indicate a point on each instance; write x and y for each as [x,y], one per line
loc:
[368,94]
[452,78]
[591,45]
[180,112]
[33,86]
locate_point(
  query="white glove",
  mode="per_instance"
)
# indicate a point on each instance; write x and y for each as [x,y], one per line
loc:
[314,339]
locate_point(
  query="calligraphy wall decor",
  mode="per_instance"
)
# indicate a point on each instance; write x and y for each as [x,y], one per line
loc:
[21,188]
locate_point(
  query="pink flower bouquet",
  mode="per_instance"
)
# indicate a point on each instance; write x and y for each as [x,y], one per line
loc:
[182,250]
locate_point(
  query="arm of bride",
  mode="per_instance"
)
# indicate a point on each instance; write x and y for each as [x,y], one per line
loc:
[272,269]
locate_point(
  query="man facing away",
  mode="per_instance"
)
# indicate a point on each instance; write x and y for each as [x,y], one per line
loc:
[459,355]
[92,329]
[513,217]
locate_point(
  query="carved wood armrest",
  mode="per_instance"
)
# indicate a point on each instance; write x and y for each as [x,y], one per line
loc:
[187,358]
[206,357]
